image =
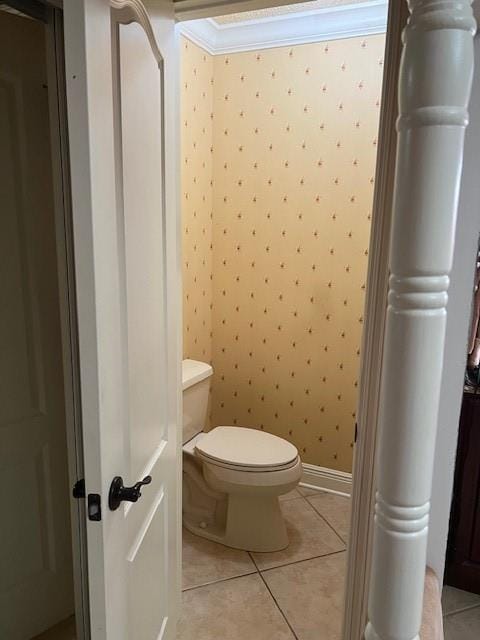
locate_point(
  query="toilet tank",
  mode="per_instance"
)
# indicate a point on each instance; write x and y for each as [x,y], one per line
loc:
[196,386]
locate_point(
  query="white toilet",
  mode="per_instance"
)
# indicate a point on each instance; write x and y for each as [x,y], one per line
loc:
[232,476]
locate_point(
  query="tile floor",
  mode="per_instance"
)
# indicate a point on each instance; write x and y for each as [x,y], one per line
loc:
[234,595]
[461,614]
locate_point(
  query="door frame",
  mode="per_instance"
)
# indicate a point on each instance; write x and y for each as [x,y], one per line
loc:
[376,300]
[49,12]
[67,299]
[363,476]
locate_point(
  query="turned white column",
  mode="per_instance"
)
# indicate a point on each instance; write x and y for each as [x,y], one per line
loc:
[434,89]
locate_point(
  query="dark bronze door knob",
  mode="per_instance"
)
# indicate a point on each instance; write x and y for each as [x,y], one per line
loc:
[118,492]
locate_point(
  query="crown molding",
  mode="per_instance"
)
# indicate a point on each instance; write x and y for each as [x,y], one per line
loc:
[332,23]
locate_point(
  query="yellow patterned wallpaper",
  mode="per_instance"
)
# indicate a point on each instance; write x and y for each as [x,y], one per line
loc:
[294,139]
[197,193]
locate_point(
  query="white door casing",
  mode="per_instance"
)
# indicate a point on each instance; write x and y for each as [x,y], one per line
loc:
[434,89]
[364,480]
[121,110]
[35,556]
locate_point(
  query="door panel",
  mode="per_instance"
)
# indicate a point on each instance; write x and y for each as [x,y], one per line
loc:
[139,145]
[121,109]
[148,598]
[140,193]
[35,555]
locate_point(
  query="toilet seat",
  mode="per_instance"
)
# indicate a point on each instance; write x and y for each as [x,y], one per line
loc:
[247,450]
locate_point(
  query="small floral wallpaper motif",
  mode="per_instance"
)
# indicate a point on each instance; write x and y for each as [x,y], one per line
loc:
[294,136]
[197,199]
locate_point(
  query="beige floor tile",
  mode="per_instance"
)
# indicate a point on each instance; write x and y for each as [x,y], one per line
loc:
[457,600]
[307,491]
[291,495]
[205,561]
[238,609]
[310,595]
[463,626]
[309,536]
[64,630]
[335,509]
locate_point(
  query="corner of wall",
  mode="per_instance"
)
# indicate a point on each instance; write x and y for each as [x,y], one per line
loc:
[197,199]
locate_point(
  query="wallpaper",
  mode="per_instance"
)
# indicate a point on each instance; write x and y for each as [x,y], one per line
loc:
[294,150]
[197,193]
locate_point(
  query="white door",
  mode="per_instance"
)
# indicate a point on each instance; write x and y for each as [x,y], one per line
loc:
[35,549]
[121,87]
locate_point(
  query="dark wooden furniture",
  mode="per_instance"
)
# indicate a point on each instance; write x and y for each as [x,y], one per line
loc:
[463,552]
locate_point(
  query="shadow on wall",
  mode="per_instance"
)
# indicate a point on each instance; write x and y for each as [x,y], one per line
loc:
[279,151]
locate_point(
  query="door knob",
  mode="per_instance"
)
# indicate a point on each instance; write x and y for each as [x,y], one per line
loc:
[118,492]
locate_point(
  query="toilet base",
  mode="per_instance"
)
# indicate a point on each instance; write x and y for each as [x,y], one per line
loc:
[235,508]
[252,524]
[255,523]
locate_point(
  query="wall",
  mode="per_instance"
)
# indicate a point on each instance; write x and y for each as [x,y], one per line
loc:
[197,199]
[458,320]
[294,139]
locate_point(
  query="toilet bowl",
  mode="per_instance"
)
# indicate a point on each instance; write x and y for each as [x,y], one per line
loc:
[233,476]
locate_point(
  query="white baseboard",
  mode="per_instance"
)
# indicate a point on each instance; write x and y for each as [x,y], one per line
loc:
[324,479]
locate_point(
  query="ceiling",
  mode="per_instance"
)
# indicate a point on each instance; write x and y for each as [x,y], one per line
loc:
[312,5]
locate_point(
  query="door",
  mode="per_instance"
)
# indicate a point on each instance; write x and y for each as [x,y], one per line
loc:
[35,551]
[120,72]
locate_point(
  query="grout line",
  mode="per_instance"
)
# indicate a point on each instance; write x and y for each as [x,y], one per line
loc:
[325,520]
[289,564]
[207,584]
[462,610]
[290,499]
[314,492]
[273,598]
[253,560]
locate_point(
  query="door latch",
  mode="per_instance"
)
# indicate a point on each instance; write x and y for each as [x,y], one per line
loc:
[94,507]
[79,489]
[94,503]
[131,494]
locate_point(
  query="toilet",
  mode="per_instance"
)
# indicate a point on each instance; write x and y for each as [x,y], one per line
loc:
[232,476]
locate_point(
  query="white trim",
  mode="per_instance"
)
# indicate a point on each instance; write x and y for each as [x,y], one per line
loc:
[201,33]
[434,88]
[128,11]
[68,318]
[364,464]
[324,479]
[331,23]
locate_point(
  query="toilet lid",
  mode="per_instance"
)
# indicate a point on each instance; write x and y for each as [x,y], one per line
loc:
[244,447]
